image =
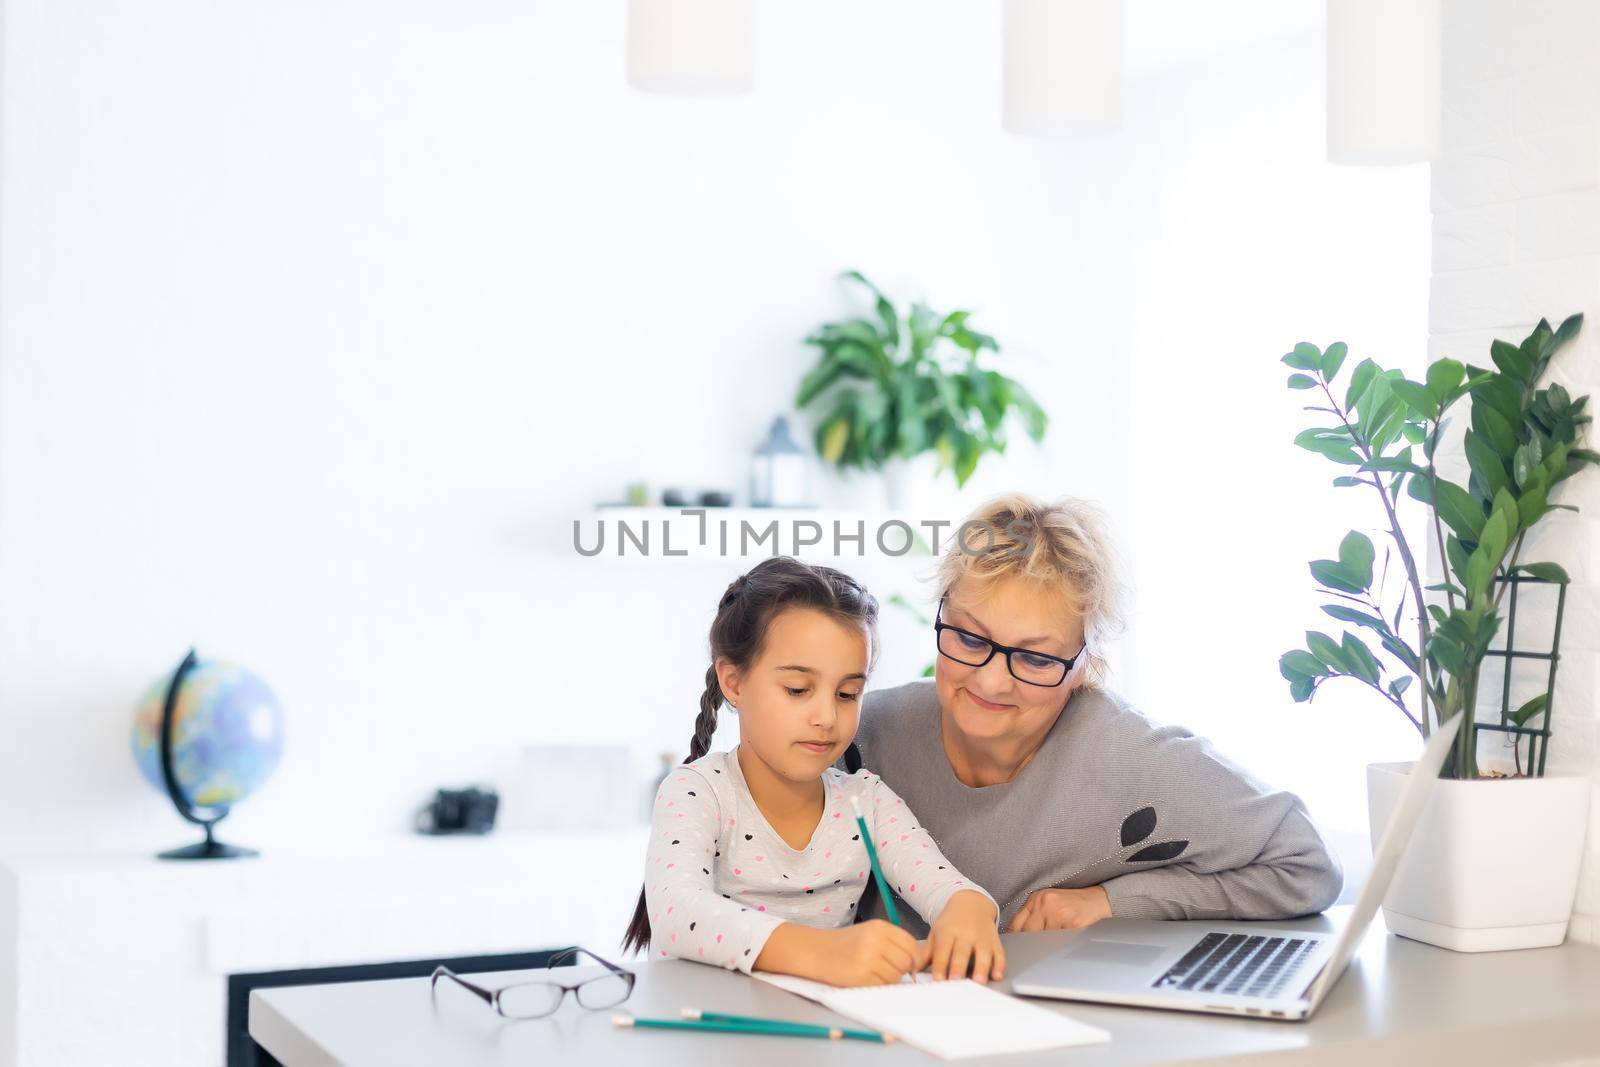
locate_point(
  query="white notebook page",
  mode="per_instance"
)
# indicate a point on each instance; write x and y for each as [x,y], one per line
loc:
[950,1019]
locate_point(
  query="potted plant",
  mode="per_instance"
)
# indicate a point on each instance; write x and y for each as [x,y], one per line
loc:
[893,387]
[1494,862]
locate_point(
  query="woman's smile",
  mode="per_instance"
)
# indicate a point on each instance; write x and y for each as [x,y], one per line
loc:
[983,704]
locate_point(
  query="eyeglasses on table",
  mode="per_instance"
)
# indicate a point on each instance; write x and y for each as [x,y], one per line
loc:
[536,999]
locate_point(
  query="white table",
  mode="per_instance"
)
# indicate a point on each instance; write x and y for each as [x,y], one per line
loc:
[1401,1002]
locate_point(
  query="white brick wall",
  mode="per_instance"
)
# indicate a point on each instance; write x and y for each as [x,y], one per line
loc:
[1516,237]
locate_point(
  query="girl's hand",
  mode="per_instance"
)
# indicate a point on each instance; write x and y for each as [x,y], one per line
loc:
[1061,909]
[964,935]
[875,952]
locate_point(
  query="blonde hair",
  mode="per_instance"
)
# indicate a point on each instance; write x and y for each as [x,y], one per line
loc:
[1062,547]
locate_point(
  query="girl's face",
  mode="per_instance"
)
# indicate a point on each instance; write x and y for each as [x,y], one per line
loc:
[799,702]
[987,703]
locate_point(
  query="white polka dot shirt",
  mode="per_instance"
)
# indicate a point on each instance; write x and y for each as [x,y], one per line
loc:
[719,879]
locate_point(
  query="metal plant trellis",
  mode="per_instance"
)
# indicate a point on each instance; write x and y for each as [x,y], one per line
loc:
[1516,723]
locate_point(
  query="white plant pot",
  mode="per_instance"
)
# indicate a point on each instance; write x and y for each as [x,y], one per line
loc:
[1493,864]
[912,486]
[898,483]
[900,486]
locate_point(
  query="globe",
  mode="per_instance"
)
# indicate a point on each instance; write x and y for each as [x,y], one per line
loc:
[227,739]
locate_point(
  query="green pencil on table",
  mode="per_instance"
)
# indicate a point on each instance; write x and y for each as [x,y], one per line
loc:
[718,1022]
[835,1032]
[877,870]
[702,1026]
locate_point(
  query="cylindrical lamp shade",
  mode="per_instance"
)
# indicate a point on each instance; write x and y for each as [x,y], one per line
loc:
[691,47]
[1063,70]
[1383,81]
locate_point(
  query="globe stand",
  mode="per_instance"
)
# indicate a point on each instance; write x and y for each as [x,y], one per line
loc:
[210,848]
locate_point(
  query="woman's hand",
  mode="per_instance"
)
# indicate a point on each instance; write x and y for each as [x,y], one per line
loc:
[963,935]
[1061,909]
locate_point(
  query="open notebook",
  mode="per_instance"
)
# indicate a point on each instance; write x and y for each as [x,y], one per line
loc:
[951,1019]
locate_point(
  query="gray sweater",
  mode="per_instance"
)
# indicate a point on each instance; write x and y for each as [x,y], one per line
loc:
[1170,828]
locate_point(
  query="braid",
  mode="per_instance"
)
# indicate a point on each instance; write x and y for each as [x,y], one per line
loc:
[746,607]
[705,727]
[705,724]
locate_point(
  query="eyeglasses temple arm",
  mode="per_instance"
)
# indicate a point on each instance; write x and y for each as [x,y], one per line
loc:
[477,990]
[568,953]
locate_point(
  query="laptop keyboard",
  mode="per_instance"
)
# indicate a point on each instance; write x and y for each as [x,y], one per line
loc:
[1240,964]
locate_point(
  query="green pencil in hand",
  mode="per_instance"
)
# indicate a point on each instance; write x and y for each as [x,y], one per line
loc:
[877,870]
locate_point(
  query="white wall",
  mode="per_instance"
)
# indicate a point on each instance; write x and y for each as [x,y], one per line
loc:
[320,322]
[1516,238]
[1243,241]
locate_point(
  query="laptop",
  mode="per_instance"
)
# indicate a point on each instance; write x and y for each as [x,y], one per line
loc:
[1233,968]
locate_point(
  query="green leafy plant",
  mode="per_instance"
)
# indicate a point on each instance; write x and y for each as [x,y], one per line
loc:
[1523,441]
[904,385]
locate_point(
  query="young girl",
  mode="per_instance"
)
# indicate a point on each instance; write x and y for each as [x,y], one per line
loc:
[756,861]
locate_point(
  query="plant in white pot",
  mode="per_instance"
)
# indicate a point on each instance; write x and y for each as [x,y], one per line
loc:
[1494,862]
[898,388]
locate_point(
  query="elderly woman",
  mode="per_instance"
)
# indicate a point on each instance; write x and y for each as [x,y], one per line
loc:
[1063,801]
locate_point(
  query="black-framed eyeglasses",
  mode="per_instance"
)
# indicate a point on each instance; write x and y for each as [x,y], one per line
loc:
[1025,665]
[533,1000]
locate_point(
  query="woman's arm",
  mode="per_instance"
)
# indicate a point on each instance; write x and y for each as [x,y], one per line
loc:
[1212,841]
[1189,834]
[1293,874]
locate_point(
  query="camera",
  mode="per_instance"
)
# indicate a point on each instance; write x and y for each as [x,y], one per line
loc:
[459,811]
